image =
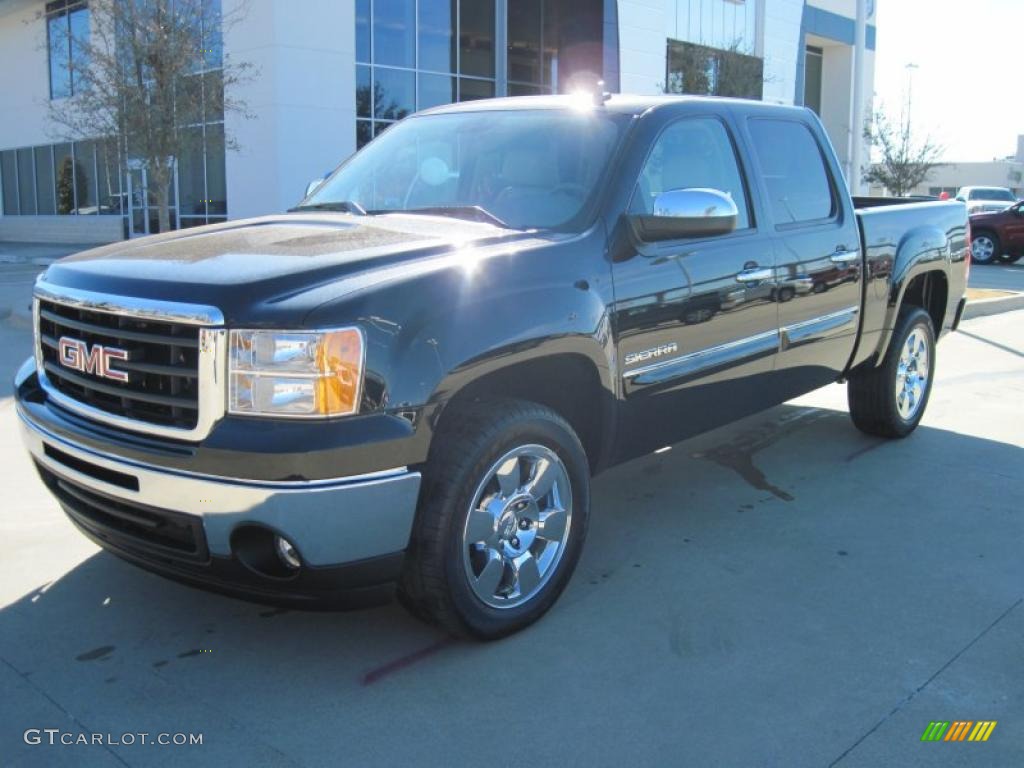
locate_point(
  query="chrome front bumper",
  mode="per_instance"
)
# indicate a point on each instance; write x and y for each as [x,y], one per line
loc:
[330,522]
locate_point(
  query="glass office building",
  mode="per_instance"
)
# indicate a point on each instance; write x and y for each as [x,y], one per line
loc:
[329,75]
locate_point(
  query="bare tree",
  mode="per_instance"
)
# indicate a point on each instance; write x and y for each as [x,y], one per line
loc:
[904,161]
[704,71]
[144,71]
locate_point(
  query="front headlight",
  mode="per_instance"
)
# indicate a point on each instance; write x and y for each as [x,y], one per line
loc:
[295,373]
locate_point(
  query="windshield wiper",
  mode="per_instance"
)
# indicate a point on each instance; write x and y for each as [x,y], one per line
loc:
[334,205]
[468,212]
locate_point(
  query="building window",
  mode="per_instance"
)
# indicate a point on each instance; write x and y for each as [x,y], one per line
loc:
[704,71]
[26,183]
[67,35]
[813,60]
[202,192]
[532,50]
[45,195]
[414,54]
[9,182]
[82,178]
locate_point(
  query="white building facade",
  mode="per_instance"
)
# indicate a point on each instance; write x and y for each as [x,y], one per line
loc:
[332,73]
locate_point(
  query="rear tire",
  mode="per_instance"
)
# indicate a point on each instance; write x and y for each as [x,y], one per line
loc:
[985,247]
[785,293]
[890,400]
[501,521]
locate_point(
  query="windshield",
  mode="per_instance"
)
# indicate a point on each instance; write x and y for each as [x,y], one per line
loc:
[530,169]
[992,194]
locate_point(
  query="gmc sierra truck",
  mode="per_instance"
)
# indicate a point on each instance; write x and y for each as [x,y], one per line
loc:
[407,382]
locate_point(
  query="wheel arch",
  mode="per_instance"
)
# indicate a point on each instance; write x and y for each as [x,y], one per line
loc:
[572,383]
[920,277]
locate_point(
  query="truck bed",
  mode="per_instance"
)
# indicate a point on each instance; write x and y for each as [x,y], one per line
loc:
[899,237]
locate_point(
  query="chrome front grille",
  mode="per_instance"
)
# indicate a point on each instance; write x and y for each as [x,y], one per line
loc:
[162,368]
[168,376]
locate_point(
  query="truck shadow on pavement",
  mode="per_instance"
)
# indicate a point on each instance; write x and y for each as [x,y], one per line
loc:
[756,542]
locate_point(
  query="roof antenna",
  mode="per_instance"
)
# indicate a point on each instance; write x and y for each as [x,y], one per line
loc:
[600,95]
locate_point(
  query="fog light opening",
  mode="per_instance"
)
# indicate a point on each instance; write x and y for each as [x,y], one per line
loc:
[287,553]
[266,552]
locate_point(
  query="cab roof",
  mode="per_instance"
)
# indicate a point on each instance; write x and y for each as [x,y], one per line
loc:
[619,103]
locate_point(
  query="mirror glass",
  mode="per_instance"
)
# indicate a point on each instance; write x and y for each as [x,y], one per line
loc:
[313,185]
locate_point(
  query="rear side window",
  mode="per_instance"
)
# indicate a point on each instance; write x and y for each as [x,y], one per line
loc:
[694,152]
[794,171]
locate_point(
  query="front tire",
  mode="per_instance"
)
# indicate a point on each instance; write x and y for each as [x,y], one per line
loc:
[501,521]
[890,400]
[985,248]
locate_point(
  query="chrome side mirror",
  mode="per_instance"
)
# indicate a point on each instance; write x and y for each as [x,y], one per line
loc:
[679,213]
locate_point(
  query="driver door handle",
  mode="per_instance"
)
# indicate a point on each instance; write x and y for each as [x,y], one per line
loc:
[843,256]
[755,275]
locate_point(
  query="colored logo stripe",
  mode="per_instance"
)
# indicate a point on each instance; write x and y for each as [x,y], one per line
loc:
[958,730]
[983,730]
[935,730]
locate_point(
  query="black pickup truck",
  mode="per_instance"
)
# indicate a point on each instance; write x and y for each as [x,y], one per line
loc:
[410,378]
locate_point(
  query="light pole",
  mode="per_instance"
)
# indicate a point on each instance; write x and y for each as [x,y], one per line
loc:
[857,113]
[911,66]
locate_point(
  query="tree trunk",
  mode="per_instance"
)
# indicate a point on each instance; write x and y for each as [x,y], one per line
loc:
[163,210]
[161,182]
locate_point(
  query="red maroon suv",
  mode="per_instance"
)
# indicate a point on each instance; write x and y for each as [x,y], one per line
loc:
[998,236]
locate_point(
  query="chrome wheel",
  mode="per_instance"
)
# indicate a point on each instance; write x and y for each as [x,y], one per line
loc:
[983,249]
[517,526]
[912,374]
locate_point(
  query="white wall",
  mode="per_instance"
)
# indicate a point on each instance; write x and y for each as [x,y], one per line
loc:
[998,173]
[24,75]
[837,98]
[643,45]
[782,44]
[303,97]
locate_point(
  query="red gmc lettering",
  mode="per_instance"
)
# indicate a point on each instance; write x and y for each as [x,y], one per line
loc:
[77,356]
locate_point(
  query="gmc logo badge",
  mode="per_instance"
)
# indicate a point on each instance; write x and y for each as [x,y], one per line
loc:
[77,356]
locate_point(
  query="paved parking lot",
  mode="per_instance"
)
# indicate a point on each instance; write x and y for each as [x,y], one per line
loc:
[1004,277]
[782,592]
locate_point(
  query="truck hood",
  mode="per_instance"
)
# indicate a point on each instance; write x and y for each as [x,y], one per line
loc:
[245,268]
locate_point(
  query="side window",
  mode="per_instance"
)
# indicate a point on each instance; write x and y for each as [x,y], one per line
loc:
[691,153]
[794,171]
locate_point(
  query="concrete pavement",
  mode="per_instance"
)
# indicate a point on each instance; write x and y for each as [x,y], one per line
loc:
[712,621]
[38,254]
[1002,277]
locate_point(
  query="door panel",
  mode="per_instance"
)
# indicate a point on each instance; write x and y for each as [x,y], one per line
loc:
[696,345]
[819,299]
[695,320]
[817,254]
[1013,230]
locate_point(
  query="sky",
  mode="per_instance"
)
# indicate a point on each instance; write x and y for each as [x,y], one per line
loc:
[964,93]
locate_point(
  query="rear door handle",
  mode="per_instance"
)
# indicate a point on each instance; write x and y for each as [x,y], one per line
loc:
[755,275]
[843,256]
